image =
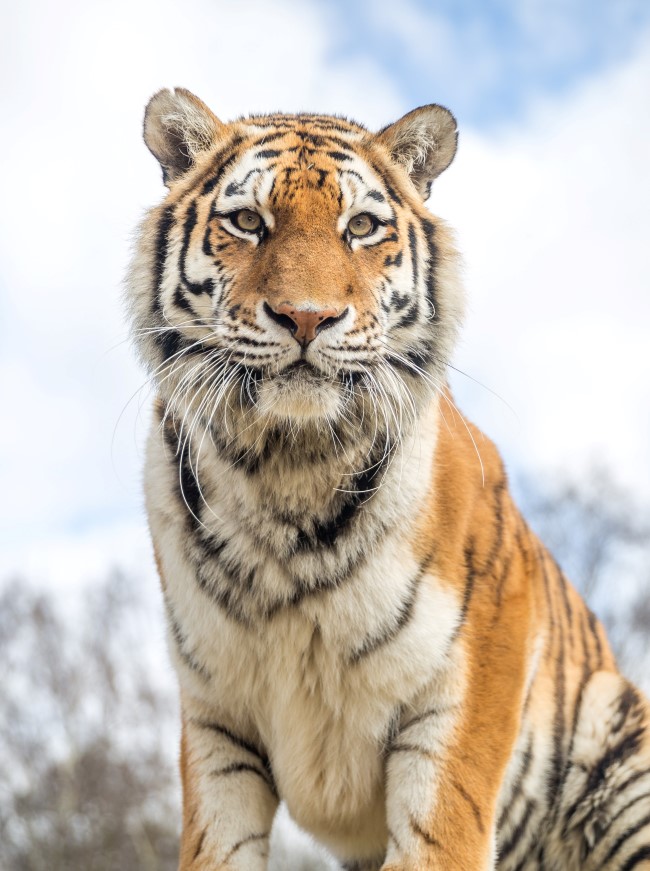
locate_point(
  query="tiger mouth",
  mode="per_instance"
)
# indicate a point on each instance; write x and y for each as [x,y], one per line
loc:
[301,369]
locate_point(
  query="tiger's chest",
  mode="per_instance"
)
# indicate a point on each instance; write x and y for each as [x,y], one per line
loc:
[323,683]
[319,655]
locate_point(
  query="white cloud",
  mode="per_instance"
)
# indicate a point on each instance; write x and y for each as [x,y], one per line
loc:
[553,220]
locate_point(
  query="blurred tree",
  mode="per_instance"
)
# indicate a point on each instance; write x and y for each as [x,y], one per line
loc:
[90,781]
[601,538]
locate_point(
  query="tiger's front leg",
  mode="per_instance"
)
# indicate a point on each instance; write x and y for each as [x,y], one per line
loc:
[229,799]
[444,772]
[440,811]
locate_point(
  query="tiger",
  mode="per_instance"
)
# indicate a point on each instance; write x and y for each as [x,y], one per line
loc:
[362,623]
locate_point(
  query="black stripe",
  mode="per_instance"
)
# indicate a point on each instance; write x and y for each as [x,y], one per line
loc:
[476,811]
[413,247]
[339,155]
[628,701]
[165,225]
[237,187]
[227,599]
[194,287]
[616,755]
[518,832]
[629,832]
[621,787]
[429,229]
[559,728]
[552,622]
[501,582]
[410,316]
[593,625]
[212,182]
[390,190]
[180,639]
[199,845]
[269,137]
[239,767]
[636,858]
[261,836]
[325,533]
[170,342]
[431,712]
[498,491]
[623,810]
[418,830]
[237,740]
[181,301]
[188,487]
[470,579]
[410,748]
[518,785]
[404,616]
[562,584]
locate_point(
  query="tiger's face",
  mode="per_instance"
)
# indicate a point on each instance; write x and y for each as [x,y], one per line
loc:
[293,274]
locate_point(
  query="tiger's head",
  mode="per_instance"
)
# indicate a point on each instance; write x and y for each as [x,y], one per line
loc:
[293,275]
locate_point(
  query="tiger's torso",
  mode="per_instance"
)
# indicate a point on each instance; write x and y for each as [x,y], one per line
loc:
[361,621]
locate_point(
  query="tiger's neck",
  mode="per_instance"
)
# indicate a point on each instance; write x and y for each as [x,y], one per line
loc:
[319,470]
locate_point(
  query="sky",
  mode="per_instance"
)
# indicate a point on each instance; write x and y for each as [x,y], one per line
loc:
[548,195]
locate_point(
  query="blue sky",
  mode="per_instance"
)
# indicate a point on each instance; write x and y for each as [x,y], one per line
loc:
[552,167]
[487,59]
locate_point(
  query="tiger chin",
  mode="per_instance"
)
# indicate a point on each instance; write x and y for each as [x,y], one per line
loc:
[362,623]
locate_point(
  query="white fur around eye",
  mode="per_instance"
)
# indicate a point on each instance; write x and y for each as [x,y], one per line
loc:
[234,230]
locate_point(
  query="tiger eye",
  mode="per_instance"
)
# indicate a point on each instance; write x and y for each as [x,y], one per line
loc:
[247,220]
[361,225]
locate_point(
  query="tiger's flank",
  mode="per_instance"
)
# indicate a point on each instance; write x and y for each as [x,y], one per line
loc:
[361,621]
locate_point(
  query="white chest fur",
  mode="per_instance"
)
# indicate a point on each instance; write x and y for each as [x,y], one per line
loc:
[321,684]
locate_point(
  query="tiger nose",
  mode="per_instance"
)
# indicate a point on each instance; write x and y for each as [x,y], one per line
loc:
[303,324]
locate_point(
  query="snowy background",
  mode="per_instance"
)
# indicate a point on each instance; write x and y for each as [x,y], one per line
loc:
[549,195]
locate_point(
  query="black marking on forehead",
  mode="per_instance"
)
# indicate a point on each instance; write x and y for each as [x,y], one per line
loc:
[165,225]
[267,153]
[339,155]
[237,187]
[212,182]
[266,138]
[354,174]
[376,195]
[276,118]
[390,190]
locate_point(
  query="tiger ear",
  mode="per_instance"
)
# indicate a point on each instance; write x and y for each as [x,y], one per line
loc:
[423,142]
[177,128]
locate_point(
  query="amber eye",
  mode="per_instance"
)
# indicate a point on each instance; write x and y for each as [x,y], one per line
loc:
[361,225]
[247,220]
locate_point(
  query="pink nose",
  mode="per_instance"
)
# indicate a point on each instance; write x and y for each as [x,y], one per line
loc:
[303,324]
